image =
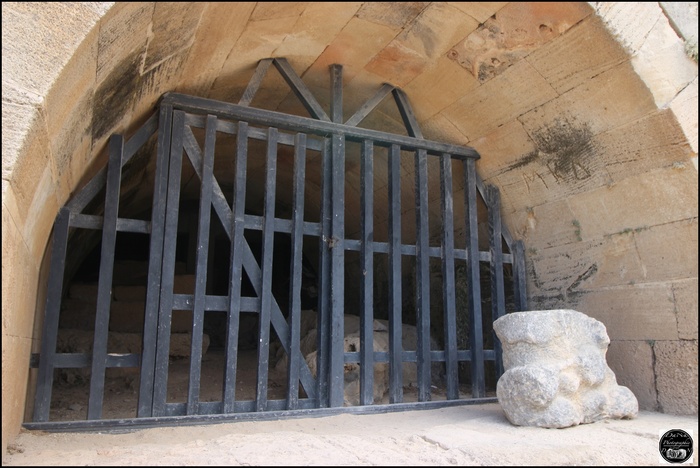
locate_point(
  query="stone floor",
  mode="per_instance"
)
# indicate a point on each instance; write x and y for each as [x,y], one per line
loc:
[462,435]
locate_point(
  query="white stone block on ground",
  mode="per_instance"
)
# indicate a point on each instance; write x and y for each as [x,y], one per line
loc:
[555,371]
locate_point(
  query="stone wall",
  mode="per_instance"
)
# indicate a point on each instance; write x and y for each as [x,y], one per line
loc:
[585,119]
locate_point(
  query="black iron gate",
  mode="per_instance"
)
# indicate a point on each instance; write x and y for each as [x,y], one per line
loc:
[307,392]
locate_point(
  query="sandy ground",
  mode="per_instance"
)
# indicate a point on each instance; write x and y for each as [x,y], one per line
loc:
[461,435]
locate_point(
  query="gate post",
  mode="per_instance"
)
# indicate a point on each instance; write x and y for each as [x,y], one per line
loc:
[337,332]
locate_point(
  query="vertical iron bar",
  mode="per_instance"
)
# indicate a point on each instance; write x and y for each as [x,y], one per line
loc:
[266,270]
[422,276]
[337,251]
[498,299]
[476,341]
[49,336]
[367,285]
[236,273]
[395,313]
[336,93]
[519,276]
[448,278]
[337,362]
[168,273]
[294,355]
[200,286]
[104,286]
[324,298]
[150,325]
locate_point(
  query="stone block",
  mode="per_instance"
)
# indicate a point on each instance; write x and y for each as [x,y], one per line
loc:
[258,40]
[15,371]
[508,148]
[637,202]
[663,63]
[480,11]
[69,112]
[165,75]
[219,29]
[518,29]
[685,293]
[636,312]
[317,26]
[669,251]
[676,369]
[555,371]
[520,88]
[439,128]
[613,98]
[588,41]
[113,99]
[58,27]
[536,180]
[71,149]
[584,266]
[17,120]
[617,262]
[437,28]
[633,365]
[353,47]
[274,10]
[173,28]
[684,107]
[391,14]
[630,23]
[32,165]
[19,282]
[124,30]
[41,214]
[655,141]
[552,224]
[438,86]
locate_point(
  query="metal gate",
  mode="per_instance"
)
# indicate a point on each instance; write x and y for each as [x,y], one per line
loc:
[322,392]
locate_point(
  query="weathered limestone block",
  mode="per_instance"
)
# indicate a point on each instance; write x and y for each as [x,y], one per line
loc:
[351,343]
[555,371]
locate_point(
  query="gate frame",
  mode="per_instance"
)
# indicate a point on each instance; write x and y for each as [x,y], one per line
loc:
[175,110]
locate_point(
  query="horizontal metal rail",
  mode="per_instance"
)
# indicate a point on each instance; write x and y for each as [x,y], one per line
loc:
[204,106]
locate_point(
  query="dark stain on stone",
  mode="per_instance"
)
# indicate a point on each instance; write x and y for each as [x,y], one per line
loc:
[397,14]
[566,149]
[427,37]
[113,97]
[524,161]
[592,270]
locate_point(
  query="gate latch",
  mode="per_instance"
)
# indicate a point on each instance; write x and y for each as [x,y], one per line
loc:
[332,242]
